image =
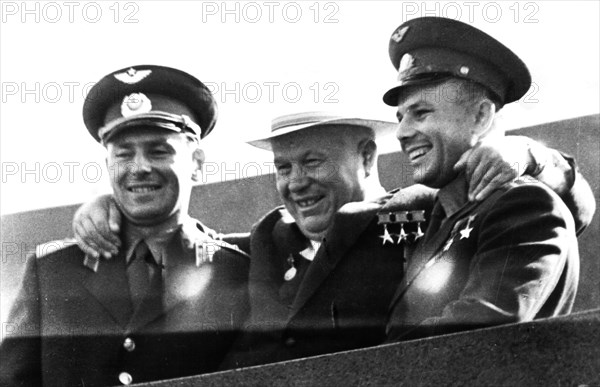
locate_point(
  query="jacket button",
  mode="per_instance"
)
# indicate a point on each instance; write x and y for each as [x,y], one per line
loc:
[125,378]
[129,344]
[290,342]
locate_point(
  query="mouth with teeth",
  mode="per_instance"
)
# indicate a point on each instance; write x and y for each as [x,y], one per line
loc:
[416,153]
[143,189]
[308,202]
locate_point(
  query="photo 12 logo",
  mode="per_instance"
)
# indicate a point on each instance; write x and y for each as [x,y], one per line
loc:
[272,91]
[269,12]
[69,12]
[473,11]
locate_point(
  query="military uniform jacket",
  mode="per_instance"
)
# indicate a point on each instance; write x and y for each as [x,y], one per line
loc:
[339,301]
[73,326]
[512,257]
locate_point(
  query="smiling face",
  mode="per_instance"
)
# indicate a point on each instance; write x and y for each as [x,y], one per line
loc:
[151,174]
[436,128]
[318,171]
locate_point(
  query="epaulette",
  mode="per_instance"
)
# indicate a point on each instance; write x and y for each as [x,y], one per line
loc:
[206,250]
[47,248]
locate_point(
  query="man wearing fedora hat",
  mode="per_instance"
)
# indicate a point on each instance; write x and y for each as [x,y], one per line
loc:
[323,270]
[172,301]
[511,257]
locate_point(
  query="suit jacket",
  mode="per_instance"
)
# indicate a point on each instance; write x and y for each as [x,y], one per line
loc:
[512,257]
[337,302]
[73,326]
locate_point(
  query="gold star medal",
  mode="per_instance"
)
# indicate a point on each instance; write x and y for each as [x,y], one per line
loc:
[465,233]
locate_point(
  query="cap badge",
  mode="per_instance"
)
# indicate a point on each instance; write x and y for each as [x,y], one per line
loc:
[136,103]
[398,35]
[132,75]
[407,62]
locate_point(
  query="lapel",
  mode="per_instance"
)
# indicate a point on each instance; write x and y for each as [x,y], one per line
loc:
[429,247]
[182,280]
[109,286]
[349,223]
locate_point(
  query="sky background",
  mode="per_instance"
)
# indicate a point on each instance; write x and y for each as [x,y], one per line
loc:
[261,59]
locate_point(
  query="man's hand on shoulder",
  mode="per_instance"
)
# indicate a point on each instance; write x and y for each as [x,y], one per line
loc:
[96,226]
[492,164]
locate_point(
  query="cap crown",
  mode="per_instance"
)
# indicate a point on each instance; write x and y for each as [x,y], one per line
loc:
[149,95]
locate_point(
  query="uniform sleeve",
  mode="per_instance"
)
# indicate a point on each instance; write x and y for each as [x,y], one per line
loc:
[523,244]
[20,352]
[579,198]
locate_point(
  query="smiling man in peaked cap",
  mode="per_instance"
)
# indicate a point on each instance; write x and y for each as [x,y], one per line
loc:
[172,301]
[511,257]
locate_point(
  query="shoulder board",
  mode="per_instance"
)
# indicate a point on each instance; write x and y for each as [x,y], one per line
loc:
[524,180]
[235,248]
[207,249]
[48,248]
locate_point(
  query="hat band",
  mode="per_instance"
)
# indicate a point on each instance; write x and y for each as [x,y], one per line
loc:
[176,123]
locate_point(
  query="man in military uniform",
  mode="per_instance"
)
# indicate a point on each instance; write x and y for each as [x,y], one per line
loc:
[511,257]
[170,304]
[323,270]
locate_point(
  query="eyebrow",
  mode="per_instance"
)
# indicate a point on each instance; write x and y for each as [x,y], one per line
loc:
[150,143]
[311,152]
[412,106]
[279,160]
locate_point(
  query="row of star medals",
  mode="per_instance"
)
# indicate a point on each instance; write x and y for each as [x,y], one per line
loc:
[404,222]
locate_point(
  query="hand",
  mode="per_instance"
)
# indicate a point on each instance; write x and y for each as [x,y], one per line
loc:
[96,226]
[492,164]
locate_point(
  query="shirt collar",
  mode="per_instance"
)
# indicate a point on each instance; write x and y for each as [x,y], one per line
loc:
[156,237]
[454,195]
[311,251]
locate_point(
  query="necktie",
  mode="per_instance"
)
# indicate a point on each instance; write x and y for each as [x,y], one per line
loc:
[145,276]
[437,217]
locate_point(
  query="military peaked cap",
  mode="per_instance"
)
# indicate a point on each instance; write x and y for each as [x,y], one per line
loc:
[148,95]
[430,49]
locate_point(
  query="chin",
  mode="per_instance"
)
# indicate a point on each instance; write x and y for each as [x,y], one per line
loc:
[313,231]
[148,216]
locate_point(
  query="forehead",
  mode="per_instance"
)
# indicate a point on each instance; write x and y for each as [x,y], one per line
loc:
[438,93]
[326,140]
[145,136]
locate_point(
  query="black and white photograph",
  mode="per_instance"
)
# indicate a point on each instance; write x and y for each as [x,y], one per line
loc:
[299,193]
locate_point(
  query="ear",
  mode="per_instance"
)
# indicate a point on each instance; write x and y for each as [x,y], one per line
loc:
[485,112]
[368,153]
[198,159]
[107,166]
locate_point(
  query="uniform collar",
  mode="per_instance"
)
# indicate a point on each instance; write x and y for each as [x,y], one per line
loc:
[454,195]
[156,237]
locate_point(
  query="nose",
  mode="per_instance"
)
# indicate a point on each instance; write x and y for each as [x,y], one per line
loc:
[298,179]
[142,164]
[405,130]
